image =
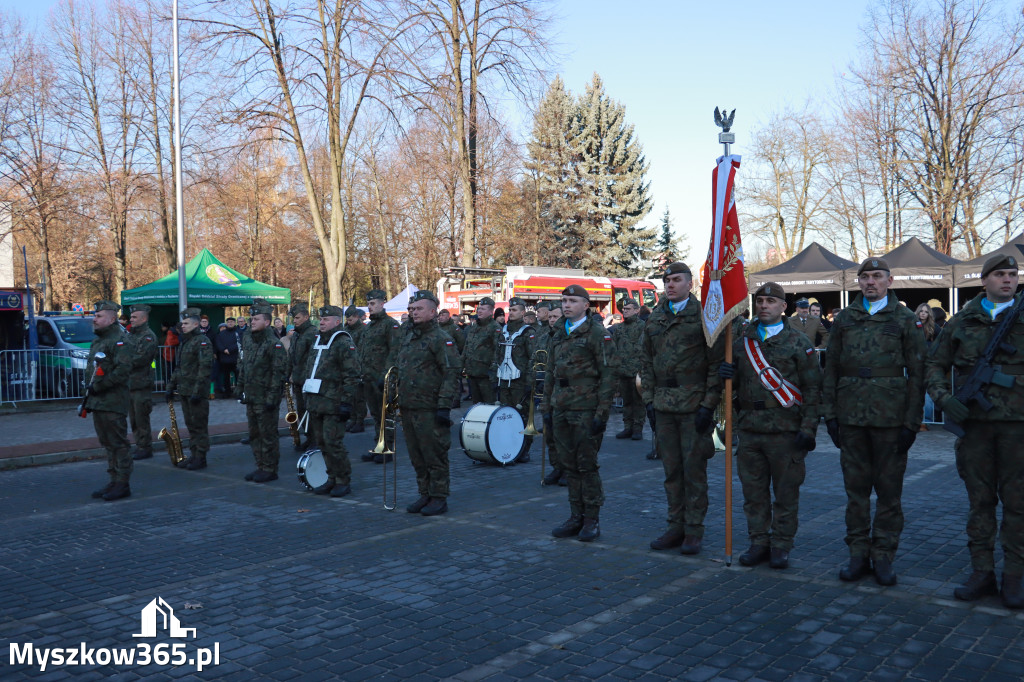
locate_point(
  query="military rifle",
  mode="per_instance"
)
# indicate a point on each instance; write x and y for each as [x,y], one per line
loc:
[984,372]
[82,412]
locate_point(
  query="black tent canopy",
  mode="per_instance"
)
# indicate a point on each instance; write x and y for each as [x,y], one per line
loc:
[915,265]
[968,273]
[813,270]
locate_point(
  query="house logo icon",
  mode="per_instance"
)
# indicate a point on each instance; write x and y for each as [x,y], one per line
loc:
[159,613]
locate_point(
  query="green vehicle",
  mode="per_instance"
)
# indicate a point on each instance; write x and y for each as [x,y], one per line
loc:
[63,354]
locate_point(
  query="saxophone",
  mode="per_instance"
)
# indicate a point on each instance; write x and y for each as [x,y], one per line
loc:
[172,439]
[292,418]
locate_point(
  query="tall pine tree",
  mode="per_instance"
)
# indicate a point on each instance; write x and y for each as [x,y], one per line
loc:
[667,248]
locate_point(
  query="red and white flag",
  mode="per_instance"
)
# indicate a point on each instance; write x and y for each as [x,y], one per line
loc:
[723,289]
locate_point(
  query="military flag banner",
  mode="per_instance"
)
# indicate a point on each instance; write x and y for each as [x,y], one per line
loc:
[723,289]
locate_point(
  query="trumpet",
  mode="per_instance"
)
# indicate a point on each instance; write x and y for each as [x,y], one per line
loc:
[172,439]
[292,418]
[539,364]
[388,431]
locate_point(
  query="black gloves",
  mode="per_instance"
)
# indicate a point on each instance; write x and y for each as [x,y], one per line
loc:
[704,420]
[650,415]
[271,407]
[598,426]
[833,431]
[906,439]
[345,411]
[727,370]
[549,423]
[804,441]
[194,400]
[443,417]
[955,410]
[169,396]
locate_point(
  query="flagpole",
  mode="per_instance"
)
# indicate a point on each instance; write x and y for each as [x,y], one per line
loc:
[726,138]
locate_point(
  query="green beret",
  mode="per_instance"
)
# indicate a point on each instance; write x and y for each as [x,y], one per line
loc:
[260,307]
[576,290]
[486,300]
[140,308]
[515,300]
[376,295]
[873,264]
[544,305]
[555,305]
[106,305]
[424,295]
[191,313]
[998,262]
[628,301]
[351,310]
[297,308]
[775,291]
[331,311]
[677,268]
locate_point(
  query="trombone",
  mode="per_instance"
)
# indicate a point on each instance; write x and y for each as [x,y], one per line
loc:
[388,425]
[539,365]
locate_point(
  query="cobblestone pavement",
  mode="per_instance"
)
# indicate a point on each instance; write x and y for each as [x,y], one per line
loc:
[297,586]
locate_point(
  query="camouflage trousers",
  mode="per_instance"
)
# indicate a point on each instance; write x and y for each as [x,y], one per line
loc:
[428,446]
[871,460]
[197,421]
[634,414]
[518,395]
[990,461]
[577,452]
[358,407]
[112,432]
[766,462]
[684,456]
[482,389]
[140,406]
[329,431]
[373,397]
[263,437]
[300,409]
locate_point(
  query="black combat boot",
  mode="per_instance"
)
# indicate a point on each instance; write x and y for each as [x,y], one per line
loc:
[884,575]
[324,489]
[436,506]
[367,456]
[138,454]
[755,555]
[120,489]
[859,567]
[251,475]
[1013,595]
[570,527]
[978,585]
[691,545]
[563,480]
[638,434]
[591,529]
[97,494]
[264,476]
[653,454]
[381,458]
[779,558]
[670,539]
[417,506]
[341,490]
[523,458]
[625,433]
[357,427]
[551,478]
[196,462]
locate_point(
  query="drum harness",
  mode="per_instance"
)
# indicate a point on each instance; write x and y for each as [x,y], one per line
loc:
[312,384]
[507,370]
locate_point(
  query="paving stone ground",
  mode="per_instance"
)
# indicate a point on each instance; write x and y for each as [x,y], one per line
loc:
[294,586]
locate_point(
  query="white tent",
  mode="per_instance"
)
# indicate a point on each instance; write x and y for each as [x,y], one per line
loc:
[400,303]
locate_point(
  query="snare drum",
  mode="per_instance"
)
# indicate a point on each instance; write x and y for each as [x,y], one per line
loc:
[491,433]
[312,469]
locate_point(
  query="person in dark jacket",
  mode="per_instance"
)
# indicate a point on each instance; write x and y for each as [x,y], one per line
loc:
[225,346]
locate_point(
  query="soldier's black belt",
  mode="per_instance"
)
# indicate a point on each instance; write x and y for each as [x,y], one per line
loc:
[757,404]
[566,383]
[872,372]
[676,382]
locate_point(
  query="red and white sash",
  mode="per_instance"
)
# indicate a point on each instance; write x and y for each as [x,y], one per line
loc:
[784,391]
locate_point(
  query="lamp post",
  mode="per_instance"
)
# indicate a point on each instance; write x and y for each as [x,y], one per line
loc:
[179,219]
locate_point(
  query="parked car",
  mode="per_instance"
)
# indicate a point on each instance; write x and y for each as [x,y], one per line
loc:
[63,355]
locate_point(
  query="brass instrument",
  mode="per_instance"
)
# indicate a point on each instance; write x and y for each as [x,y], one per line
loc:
[388,432]
[172,439]
[292,417]
[539,370]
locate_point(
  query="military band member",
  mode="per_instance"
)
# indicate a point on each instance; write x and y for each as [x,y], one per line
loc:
[777,424]
[873,401]
[448,326]
[144,348]
[810,325]
[331,388]
[578,393]
[989,457]
[377,352]
[354,326]
[191,381]
[628,338]
[107,398]
[262,373]
[302,341]
[513,366]
[428,369]
[477,356]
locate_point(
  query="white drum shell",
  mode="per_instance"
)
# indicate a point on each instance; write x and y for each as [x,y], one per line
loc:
[312,469]
[491,433]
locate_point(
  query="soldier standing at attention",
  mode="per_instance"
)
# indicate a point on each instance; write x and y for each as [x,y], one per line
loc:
[477,357]
[108,400]
[513,366]
[989,458]
[681,388]
[428,369]
[305,335]
[262,373]
[628,338]
[354,326]
[333,380]
[448,326]
[191,380]
[777,425]
[554,321]
[578,393]
[142,342]
[873,401]
[378,351]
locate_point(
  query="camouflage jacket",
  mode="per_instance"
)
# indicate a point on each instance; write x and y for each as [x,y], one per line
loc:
[960,345]
[378,347]
[874,369]
[338,371]
[109,392]
[812,328]
[792,354]
[581,370]
[195,358]
[452,330]
[628,337]
[522,352]
[305,336]
[428,368]
[263,369]
[356,332]
[478,354]
[679,371]
[143,345]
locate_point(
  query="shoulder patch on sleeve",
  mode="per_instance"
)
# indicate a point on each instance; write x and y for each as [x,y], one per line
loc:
[607,338]
[918,323]
[120,343]
[395,326]
[447,343]
[203,343]
[278,345]
[810,351]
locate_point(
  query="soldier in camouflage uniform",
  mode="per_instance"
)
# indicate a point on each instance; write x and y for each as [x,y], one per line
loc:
[681,388]
[873,401]
[143,344]
[448,326]
[108,400]
[628,338]
[477,357]
[428,369]
[774,438]
[262,373]
[513,366]
[557,474]
[378,351]
[354,326]
[302,341]
[334,377]
[191,381]
[989,457]
[578,391]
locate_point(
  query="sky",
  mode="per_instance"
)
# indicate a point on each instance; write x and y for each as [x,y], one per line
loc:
[671,62]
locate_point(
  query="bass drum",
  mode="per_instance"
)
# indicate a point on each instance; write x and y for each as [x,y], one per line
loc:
[491,433]
[312,469]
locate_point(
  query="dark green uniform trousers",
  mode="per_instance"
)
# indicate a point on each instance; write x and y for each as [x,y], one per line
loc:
[358,407]
[990,460]
[263,437]
[766,462]
[428,446]
[482,389]
[577,450]
[684,456]
[197,421]
[140,407]
[634,414]
[112,432]
[871,459]
[329,431]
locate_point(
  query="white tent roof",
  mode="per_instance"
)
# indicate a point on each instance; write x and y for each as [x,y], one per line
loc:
[400,303]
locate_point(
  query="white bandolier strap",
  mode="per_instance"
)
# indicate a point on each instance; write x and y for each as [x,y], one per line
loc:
[312,384]
[785,391]
[507,370]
